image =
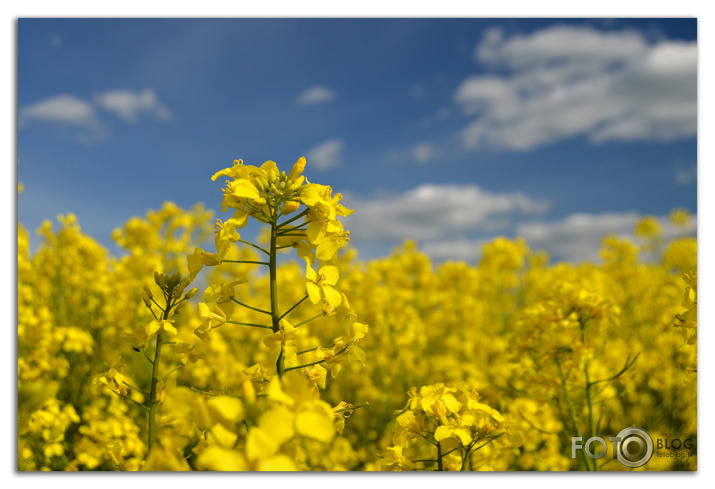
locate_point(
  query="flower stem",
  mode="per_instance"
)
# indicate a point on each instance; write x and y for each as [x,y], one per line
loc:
[280,363]
[589,397]
[153,401]
[306,365]
[294,306]
[571,411]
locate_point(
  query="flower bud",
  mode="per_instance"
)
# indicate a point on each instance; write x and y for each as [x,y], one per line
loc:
[249,392]
[297,169]
[180,290]
[296,184]
[159,279]
[485,429]
[191,293]
[146,296]
[290,207]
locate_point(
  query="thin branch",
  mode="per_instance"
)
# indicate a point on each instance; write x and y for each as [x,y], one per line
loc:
[246,261]
[254,325]
[254,245]
[172,371]
[136,389]
[306,365]
[147,357]
[294,306]
[292,219]
[250,307]
[627,366]
[309,320]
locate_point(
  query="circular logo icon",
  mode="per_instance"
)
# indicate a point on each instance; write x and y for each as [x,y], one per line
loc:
[635,448]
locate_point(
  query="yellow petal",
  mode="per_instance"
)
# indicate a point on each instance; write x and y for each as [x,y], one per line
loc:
[217,458]
[278,424]
[152,327]
[442,433]
[223,436]
[259,444]
[331,274]
[316,425]
[310,273]
[279,463]
[313,292]
[226,410]
[169,328]
[358,330]
[332,296]
[244,188]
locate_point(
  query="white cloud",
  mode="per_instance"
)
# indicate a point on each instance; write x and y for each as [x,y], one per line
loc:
[423,152]
[326,154]
[317,94]
[578,236]
[63,109]
[457,250]
[128,105]
[569,81]
[431,212]
[684,176]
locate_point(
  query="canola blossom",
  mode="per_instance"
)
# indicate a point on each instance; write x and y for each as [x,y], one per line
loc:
[290,354]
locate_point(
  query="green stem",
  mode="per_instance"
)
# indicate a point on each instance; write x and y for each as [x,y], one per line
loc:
[136,389]
[354,408]
[280,362]
[294,306]
[172,371]
[589,397]
[571,411]
[309,320]
[153,402]
[439,457]
[254,325]
[300,227]
[246,261]
[250,307]
[302,366]
[254,245]
[292,219]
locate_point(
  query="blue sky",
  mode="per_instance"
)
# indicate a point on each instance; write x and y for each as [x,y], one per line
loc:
[446,131]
